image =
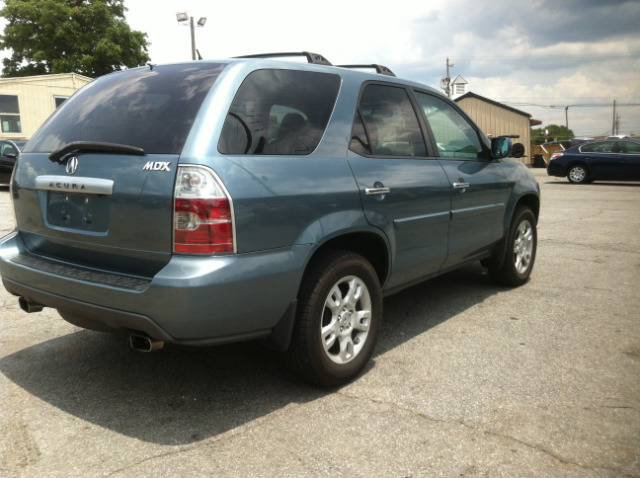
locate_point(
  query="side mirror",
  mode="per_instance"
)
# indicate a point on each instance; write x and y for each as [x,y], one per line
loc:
[500,147]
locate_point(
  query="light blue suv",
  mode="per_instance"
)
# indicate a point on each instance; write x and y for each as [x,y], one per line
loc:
[257,198]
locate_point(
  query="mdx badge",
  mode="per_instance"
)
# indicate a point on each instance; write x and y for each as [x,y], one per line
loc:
[157,166]
[72,165]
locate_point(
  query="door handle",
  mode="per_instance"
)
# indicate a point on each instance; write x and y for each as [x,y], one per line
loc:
[460,185]
[376,190]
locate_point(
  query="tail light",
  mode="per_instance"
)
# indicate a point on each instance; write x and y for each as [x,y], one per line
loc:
[203,213]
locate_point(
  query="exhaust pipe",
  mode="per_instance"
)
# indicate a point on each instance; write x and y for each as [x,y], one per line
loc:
[143,343]
[28,306]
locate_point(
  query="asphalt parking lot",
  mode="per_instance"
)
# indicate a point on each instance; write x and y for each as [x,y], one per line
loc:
[468,379]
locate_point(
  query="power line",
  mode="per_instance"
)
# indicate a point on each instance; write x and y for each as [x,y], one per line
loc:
[563,56]
[581,105]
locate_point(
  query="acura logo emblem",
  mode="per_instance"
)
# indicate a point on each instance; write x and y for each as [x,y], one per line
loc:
[72,165]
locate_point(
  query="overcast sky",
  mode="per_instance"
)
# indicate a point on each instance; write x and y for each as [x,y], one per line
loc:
[538,56]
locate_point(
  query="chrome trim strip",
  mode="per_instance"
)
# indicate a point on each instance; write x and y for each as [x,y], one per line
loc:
[478,210]
[75,185]
[422,221]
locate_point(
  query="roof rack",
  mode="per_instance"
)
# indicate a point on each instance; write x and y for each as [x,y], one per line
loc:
[383,70]
[311,57]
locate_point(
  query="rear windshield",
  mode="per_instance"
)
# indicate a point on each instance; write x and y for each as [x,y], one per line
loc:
[150,108]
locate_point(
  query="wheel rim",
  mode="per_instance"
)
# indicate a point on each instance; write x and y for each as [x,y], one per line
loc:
[346,318]
[577,174]
[523,247]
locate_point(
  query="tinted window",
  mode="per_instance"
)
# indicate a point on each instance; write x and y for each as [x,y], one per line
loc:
[149,108]
[386,124]
[629,147]
[454,135]
[279,112]
[601,147]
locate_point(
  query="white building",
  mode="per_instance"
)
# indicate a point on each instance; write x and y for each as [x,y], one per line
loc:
[26,102]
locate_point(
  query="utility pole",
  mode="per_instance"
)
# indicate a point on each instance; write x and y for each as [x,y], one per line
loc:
[445,83]
[613,126]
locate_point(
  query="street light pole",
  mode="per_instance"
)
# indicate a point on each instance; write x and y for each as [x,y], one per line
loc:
[193,38]
[183,17]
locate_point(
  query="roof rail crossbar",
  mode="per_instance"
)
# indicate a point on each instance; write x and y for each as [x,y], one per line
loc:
[314,58]
[383,70]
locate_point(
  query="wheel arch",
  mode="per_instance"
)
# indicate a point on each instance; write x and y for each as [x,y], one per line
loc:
[373,247]
[530,200]
[369,245]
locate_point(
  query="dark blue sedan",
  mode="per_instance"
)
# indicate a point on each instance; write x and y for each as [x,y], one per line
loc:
[9,151]
[608,160]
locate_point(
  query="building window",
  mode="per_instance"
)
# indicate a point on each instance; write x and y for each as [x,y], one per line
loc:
[59,100]
[10,114]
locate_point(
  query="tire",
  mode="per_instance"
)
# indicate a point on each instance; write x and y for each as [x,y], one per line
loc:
[520,254]
[338,319]
[578,174]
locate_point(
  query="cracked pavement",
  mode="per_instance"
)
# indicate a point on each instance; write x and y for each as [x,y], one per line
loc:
[468,379]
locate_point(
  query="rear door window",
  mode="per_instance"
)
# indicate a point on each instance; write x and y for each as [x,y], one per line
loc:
[629,147]
[386,124]
[280,112]
[150,108]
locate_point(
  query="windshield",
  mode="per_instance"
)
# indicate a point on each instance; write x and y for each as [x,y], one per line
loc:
[152,108]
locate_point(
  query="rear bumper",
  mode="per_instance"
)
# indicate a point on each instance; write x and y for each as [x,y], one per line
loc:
[192,300]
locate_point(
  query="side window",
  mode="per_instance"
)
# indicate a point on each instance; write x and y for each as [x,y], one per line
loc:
[279,112]
[601,147]
[386,124]
[589,147]
[629,147]
[454,135]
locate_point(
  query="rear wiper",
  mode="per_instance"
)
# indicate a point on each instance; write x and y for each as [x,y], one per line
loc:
[93,146]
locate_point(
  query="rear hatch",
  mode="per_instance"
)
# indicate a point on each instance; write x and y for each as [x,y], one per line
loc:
[94,186]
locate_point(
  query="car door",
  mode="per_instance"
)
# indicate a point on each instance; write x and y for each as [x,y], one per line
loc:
[630,160]
[603,160]
[480,191]
[403,191]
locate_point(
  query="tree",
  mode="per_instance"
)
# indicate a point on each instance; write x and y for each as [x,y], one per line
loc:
[556,133]
[90,37]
